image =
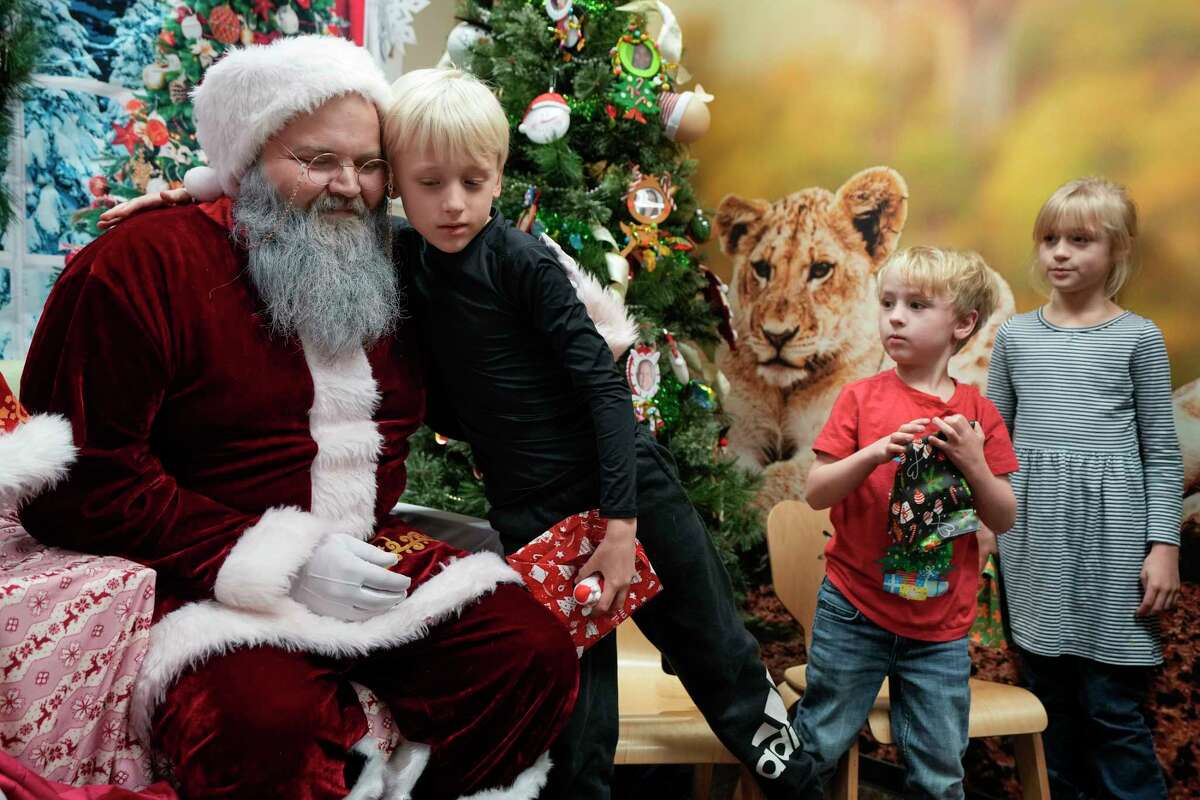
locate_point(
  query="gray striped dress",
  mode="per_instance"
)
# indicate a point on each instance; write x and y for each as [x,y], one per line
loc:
[1101,478]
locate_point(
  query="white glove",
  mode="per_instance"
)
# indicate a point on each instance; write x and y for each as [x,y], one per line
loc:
[348,579]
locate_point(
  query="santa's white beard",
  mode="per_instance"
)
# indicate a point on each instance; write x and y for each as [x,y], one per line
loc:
[329,280]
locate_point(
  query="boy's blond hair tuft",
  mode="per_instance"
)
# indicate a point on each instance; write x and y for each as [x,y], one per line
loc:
[961,274]
[448,112]
[1095,206]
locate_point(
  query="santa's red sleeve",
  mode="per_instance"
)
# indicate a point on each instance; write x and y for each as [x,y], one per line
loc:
[102,358]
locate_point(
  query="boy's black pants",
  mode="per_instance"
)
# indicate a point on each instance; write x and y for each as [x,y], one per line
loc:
[693,622]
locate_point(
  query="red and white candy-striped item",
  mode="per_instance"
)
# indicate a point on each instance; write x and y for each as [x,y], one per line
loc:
[550,564]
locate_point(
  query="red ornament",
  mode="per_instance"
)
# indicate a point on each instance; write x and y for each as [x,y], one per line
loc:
[156,132]
[225,25]
[263,9]
[715,293]
[167,38]
[125,136]
[98,185]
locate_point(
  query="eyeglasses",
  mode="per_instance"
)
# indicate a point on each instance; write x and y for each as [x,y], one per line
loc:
[320,170]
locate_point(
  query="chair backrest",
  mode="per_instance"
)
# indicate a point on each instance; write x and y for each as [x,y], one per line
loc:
[796,537]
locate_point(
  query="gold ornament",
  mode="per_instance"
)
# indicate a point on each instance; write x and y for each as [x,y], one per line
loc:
[178,89]
[141,173]
[649,203]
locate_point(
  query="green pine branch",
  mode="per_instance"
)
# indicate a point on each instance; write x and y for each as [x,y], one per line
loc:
[18,54]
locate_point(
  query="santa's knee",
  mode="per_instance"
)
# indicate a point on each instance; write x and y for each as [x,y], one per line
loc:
[538,653]
[252,724]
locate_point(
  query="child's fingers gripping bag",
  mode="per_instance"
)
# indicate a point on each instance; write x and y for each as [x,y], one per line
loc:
[550,563]
[930,503]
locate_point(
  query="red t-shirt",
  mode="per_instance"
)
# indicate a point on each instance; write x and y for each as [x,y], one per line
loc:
[865,411]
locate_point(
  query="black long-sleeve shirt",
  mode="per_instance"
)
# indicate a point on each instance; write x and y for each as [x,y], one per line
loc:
[517,369]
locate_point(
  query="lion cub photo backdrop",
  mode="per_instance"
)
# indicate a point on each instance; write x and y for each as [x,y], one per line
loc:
[945,123]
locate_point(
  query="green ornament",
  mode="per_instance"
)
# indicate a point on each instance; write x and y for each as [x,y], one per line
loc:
[701,226]
[667,398]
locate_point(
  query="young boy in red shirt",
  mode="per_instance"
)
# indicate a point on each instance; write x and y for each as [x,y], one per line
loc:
[875,619]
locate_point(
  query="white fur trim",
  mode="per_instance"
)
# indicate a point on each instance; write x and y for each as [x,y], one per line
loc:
[404,768]
[345,397]
[258,571]
[251,93]
[199,630]
[202,184]
[33,457]
[605,307]
[372,780]
[527,786]
[409,760]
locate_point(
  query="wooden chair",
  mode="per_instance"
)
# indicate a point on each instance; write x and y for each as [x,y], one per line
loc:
[796,537]
[660,724]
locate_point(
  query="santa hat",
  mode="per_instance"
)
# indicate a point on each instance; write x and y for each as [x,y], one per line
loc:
[253,92]
[547,100]
[35,451]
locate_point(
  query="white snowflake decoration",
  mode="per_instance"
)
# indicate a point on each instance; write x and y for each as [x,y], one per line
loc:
[388,27]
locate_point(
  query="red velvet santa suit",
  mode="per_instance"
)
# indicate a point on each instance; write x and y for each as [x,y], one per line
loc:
[220,457]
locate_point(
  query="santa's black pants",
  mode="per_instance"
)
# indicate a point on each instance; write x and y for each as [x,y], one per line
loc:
[693,622]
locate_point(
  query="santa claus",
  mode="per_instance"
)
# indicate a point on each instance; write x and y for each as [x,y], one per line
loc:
[240,386]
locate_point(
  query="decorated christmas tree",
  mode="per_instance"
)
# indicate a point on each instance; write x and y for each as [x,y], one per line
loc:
[600,114]
[152,139]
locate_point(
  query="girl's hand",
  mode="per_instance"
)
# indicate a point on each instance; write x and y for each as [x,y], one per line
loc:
[1160,579]
[613,559]
[963,443]
[147,202]
[893,444]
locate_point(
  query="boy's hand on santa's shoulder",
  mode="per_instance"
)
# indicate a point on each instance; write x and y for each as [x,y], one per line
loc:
[963,442]
[613,560]
[147,202]
[893,444]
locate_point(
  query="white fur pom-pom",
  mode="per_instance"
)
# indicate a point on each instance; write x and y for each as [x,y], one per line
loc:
[202,184]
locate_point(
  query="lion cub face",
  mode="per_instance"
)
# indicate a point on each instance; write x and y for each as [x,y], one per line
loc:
[803,269]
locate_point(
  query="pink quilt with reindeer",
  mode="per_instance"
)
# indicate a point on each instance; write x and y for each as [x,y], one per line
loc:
[74,629]
[73,632]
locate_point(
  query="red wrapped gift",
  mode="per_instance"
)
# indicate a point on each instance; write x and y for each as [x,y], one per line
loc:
[11,412]
[549,564]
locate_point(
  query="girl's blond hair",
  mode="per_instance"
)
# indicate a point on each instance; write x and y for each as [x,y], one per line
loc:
[448,112]
[961,274]
[1096,206]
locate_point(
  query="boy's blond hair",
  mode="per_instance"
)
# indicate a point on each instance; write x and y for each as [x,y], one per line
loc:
[448,112]
[961,274]
[1096,206]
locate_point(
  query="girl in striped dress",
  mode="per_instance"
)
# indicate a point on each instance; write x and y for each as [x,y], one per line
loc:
[1085,389]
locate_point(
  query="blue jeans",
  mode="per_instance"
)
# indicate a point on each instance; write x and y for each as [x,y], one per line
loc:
[931,701]
[1097,743]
